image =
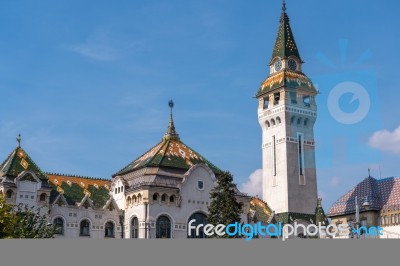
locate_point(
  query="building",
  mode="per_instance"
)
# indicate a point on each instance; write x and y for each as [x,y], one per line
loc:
[155,196]
[378,204]
[287,112]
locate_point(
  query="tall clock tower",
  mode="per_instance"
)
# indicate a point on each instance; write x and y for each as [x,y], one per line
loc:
[287,112]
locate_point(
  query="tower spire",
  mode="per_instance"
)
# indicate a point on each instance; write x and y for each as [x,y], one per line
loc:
[171,132]
[285,44]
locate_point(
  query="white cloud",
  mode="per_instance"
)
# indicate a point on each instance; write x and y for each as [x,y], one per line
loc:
[386,141]
[253,186]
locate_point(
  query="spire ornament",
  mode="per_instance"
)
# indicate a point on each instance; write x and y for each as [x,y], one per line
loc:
[284,6]
[19,140]
[171,132]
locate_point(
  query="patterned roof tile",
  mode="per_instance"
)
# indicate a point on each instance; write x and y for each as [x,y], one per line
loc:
[381,194]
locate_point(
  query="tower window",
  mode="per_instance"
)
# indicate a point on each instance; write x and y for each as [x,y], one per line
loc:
[302,180]
[277,97]
[274,157]
[299,120]
[272,122]
[306,122]
[293,97]
[306,100]
[267,123]
[266,102]
[278,120]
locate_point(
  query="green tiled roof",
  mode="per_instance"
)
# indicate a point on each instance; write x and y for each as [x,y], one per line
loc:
[285,44]
[74,189]
[262,211]
[19,161]
[288,79]
[170,153]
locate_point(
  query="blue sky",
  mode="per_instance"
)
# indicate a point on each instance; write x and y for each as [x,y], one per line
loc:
[87,82]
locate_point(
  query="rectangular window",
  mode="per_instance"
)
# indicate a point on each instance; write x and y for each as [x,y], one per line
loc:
[302,180]
[306,100]
[266,102]
[274,180]
[293,97]
[277,97]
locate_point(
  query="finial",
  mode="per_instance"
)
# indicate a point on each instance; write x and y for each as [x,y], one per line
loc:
[171,133]
[319,201]
[284,6]
[369,172]
[19,139]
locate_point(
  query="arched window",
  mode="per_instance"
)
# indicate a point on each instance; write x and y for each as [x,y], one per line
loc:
[299,120]
[155,196]
[129,200]
[109,230]
[139,198]
[272,122]
[9,194]
[200,218]
[119,189]
[278,120]
[292,119]
[164,197]
[116,191]
[84,228]
[43,197]
[135,228]
[306,122]
[163,227]
[267,123]
[134,198]
[172,198]
[122,189]
[59,225]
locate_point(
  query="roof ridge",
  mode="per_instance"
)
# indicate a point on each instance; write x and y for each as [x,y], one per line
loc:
[79,176]
[167,141]
[204,159]
[33,162]
[7,159]
[137,158]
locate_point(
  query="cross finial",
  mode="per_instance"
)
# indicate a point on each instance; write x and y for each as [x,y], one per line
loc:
[284,6]
[19,139]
